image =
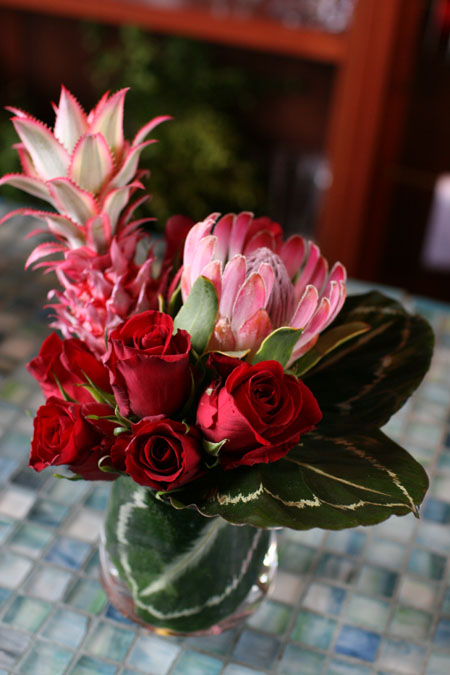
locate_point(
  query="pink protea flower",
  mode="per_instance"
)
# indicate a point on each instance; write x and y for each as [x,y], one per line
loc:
[84,168]
[262,283]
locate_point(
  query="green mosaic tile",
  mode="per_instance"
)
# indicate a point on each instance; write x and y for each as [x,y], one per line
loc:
[427,564]
[45,658]
[397,528]
[66,627]
[438,663]
[88,666]
[271,617]
[108,641]
[194,663]
[446,602]
[236,669]
[377,581]
[30,539]
[313,629]
[300,661]
[402,656]
[386,553]
[367,611]
[88,595]
[324,598]
[48,583]
[219,645]
[346,541]
[6,527]
[336,567]
[13,644]
[440,487]
[256,650]
[434,536]
[152,654]
[58,492]
[417,592]
[27,613]
[341,667]
[411,623]
[295,557]
[13,569]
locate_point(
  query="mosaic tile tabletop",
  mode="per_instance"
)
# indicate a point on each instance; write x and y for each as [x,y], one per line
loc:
[357,602]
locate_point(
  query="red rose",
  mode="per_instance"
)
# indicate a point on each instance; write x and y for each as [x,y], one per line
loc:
[163,454]
[149,365]
[260,410]
[68,362]
[63,434]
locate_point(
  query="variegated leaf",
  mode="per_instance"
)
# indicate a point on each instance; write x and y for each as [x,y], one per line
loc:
[330,481]
[364,381]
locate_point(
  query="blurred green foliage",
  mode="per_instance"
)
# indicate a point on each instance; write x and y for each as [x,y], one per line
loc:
[207,158]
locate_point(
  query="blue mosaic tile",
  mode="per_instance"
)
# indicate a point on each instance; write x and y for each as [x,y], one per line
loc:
[88,595]
[300,661]
[45,658]
[313,629]
[7,468]
[271,617]
[48,513]
[219,645]
[114,614]
[367,611]
[386,553]
[336,567]
[30,479]
[109,641]
[362,644]
[66,627]
[6,527]
[401,655]
[295,557]
[194,663]
[446,602]
[48,583]
[434,536]
[13,644]
[15,445]
[436,510]
[91,568]
[152,654]
[427,564]
[442,634]
[5,594]
[30,539]
[346,541]
[98,499]
[58,491]
[14,569]
[88,666]
[236,669]
[324,598]
[255,649]
[68,552]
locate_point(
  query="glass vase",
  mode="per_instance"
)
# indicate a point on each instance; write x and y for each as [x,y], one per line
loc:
[176,571]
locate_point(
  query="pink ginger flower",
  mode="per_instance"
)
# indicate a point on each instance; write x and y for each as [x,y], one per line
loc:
[262,283]
[84,168]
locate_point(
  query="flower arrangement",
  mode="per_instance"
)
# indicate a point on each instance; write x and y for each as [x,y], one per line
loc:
[233,377]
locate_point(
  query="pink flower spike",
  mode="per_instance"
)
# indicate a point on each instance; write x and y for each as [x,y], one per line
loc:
[71,200]
[108,121]
[33,186]
[49,157]
[293,253]
[251,298]
[305,308]
[233,278]
[26,162]
[129,165]
[92,163]
[148,128]
[41,251]
[71,121]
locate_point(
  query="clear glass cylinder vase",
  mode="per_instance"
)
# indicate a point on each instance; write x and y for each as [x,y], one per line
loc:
[176,571]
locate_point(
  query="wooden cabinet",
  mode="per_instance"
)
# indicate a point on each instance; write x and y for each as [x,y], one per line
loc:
[373,63]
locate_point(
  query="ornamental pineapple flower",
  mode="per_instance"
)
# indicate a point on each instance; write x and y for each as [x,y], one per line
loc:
[262,283]
[84,168]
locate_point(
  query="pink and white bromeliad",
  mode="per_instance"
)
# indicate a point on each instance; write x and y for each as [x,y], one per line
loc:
[262,283]
[84,168]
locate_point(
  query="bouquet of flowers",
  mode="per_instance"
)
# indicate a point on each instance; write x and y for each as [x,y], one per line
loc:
[231,375]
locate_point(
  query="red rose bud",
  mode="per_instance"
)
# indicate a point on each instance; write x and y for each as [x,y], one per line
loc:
[260,409]
[149,365]
[163,454]
[68,362]
[63,434]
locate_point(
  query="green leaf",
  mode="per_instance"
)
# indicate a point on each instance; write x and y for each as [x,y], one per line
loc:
[366,380]
[198,314]
[278,345]
[330,481]
[73,478]
[327,342]
[175,301]
[213,448]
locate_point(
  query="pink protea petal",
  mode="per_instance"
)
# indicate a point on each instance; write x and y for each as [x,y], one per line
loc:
[71,200]
[108,121]
[92,163]
[222,232]
[308,270]
[238,233]
[71,121]
[338,273]
[292,253]
[33,186]
[320,274]
[262,239]
[49,156]
[203,256]
[312,330]
[268,275]
[305,308]
[340,302]
[213,272]
[253,331]
[233,278]
[223,338]
[148,128]
[251,298]
[195,234]
[129,165]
